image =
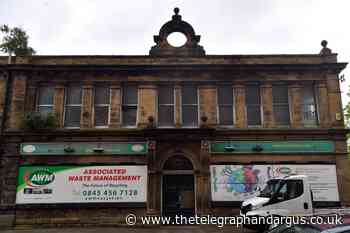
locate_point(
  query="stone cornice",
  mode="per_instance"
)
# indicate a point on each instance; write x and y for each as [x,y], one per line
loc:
[198,133]
[328,67]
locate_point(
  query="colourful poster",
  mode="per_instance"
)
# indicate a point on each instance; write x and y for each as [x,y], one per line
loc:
[81,184]
[239,182]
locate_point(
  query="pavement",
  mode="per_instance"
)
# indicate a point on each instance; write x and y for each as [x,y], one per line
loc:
[160,229]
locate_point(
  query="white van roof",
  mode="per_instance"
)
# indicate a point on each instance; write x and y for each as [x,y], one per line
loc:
[295,177]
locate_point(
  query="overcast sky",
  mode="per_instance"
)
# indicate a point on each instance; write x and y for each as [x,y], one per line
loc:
[126,27]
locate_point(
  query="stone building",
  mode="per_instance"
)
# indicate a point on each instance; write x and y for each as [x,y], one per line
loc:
[89,139]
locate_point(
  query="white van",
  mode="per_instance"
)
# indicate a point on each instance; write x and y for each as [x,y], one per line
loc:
[286,196]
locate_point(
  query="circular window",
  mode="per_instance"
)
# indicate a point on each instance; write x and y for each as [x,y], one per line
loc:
[176,39]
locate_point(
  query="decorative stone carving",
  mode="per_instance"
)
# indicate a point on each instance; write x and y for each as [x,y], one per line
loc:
[325,50]
[190,48]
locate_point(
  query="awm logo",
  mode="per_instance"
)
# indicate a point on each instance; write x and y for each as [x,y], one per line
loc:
[40,178]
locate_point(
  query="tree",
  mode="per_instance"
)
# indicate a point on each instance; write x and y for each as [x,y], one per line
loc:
[15,41]
[347,113]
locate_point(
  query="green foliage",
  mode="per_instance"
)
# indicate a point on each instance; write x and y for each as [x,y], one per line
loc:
[347,112]
[39,121]
[15,41]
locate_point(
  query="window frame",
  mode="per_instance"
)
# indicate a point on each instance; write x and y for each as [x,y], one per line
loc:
[233,106]
[37,105]
[282,104]
[260,105]
[72,105]
[316,104]
[136,106]
[102,105]
[174,106]
[197,107]
[274,199]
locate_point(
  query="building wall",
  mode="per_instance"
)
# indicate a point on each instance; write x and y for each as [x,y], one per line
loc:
[235,71]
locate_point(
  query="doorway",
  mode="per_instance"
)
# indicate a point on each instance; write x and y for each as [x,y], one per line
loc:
[178,195]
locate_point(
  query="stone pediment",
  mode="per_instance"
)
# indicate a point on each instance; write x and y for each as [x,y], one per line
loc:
[189,48]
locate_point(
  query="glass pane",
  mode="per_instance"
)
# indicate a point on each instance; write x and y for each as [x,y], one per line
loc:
[309,114]
[308,95]
[226,115]
[281,114]
[129,116]
[130,95]
[280,94]
[189,95]
[166,95]
[101,116]
[253,115]
[225,95]
[101,95]
[252,95]
[72,116]
[189,116]
[46,95]
[45,110]
[295,188]
[74,95]
[166,115]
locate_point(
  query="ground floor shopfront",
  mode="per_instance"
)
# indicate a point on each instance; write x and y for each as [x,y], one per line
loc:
[87,179]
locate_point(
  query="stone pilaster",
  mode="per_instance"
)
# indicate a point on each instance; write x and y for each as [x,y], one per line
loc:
[115,105]
[17,101]
[86,113]
[322,104]
[334,101]
[295,105]
[343,171]
[152,189]
[203,192]
[208,104]
[266,94]
[147,107]
[240,106]
[8,182]
[178,119]
[58,103]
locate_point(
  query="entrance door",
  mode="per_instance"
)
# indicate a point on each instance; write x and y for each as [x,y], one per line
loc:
[178,195]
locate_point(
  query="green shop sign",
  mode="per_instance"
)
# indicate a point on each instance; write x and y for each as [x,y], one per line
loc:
[272,147]
[84,148]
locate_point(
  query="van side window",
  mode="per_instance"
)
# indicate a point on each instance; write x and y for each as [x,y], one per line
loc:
[291,189]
